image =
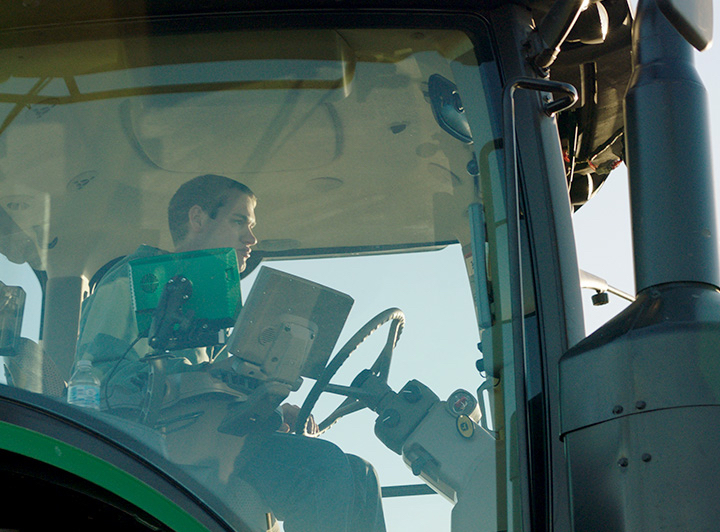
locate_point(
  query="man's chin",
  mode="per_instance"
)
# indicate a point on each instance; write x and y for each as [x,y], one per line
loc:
[241,260]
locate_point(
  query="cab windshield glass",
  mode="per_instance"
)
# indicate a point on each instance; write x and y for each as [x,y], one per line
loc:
[199,224]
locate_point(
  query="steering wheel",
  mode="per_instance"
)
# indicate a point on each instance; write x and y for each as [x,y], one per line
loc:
[380,369]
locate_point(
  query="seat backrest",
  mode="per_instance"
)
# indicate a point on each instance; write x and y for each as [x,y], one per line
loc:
[31,369]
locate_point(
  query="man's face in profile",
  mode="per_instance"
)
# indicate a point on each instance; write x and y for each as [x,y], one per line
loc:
[231,228]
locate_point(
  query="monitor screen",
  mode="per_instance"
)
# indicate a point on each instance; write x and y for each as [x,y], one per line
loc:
[186,297]
[288,326]
[12,305]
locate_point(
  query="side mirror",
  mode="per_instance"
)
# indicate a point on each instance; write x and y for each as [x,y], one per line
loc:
[692,18]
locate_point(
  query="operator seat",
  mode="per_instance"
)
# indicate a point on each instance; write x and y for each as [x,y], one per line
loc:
[28,367]
[100,273]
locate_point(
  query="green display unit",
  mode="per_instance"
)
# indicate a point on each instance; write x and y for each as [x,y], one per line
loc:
[186,297]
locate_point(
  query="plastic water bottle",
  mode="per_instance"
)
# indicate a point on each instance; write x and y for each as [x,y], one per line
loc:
[84,387]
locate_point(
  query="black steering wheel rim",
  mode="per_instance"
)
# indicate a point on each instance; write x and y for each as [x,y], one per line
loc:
[380,367]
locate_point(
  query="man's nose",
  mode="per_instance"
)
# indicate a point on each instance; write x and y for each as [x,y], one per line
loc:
[249,238]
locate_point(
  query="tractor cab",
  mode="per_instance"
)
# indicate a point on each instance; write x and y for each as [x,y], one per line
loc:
[374,153]
[388,277]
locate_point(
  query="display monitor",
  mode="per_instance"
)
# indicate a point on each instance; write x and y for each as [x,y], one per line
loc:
[12,305]
[288,326]
[184,300]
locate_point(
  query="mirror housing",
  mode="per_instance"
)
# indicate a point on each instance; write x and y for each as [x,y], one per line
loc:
[693,19]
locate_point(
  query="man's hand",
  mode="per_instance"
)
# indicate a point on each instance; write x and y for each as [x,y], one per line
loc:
[290,414]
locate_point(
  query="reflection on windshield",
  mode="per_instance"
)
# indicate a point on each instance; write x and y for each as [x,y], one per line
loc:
[223,72]
[260,256]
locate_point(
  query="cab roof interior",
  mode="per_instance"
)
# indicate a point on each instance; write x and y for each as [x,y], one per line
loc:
[591,133]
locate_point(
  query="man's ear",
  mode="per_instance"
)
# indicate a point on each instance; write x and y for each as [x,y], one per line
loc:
[196,219]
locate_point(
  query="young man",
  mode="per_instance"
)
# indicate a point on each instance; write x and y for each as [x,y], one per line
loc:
[207,212]
[309,483]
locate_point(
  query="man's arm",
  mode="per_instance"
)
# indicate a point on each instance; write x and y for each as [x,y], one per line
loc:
[108,331]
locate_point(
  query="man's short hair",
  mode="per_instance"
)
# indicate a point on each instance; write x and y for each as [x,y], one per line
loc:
[210,192]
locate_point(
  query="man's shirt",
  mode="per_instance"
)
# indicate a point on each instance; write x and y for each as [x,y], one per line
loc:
[109,334]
